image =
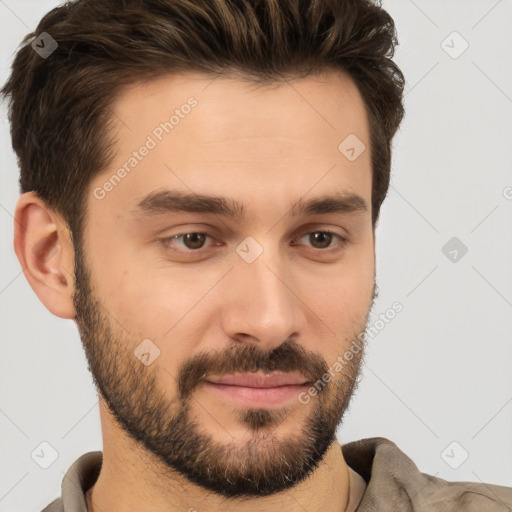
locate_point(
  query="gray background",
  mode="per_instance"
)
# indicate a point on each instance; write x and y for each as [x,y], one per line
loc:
[439,372]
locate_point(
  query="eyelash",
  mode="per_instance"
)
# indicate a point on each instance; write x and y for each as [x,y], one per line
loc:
[166,241]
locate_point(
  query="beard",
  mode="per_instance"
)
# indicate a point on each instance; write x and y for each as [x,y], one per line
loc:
[166,428]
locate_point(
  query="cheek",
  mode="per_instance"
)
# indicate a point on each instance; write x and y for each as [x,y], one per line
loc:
[344,302]
[355,275]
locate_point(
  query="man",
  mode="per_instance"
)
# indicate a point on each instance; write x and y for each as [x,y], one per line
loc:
[201,185]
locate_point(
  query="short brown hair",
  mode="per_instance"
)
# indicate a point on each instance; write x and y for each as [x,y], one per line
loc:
[59,106]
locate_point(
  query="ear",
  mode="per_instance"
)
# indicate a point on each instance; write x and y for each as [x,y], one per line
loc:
[43,245]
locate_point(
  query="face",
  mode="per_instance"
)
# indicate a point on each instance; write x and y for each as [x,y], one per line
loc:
[269,272]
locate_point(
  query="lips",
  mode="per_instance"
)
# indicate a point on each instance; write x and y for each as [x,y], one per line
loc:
[258,380]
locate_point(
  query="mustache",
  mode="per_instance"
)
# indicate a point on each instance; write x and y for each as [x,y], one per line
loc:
[287,357]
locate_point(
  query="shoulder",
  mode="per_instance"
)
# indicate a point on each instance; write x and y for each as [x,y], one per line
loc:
[393,478]
[466,496]
[80,476]
[55,506]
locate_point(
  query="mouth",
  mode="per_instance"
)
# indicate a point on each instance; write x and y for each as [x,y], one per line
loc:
[259,380]
[258,390]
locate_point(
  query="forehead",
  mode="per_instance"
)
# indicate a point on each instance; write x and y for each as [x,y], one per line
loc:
[215,134]
[329,100]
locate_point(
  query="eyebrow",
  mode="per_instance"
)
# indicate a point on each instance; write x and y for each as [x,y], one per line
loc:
[172,201]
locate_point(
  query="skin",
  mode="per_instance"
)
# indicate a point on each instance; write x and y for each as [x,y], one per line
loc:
[298,306]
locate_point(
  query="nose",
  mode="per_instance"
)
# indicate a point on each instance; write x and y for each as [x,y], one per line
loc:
[261,306]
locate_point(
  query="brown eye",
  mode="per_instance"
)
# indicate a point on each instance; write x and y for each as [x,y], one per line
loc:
[322,240]
[190,241]
[194,240]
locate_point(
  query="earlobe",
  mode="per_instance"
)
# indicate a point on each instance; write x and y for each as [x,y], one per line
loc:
[45,252]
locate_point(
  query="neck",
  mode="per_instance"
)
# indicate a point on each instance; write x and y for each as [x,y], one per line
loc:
[133,479]
[332,487]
